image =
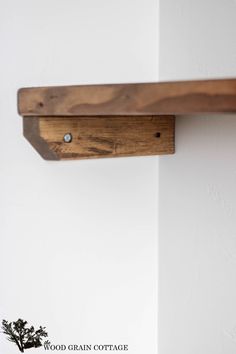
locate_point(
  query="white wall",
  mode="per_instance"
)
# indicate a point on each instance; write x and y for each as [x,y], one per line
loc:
[78,239]
[197,231]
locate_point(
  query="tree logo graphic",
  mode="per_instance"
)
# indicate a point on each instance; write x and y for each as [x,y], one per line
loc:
[22,336]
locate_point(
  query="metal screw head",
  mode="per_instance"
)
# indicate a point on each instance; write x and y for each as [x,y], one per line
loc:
[67,138]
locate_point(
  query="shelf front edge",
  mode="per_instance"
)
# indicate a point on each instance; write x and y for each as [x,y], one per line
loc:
[164,98]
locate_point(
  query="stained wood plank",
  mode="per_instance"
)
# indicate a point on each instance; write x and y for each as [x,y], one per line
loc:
[96,137]
[187,97]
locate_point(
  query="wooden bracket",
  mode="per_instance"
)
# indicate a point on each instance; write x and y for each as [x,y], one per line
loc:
[91,121]
[57,138]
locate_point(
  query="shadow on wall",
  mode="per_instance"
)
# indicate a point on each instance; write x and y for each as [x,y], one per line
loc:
[197,238]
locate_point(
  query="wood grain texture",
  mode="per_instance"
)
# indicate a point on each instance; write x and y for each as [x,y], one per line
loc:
[171,98]
[96,137]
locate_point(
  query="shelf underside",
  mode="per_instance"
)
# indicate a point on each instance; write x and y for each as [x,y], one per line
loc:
[92,121]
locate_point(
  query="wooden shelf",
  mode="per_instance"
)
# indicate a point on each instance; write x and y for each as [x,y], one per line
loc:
[187,97]
[118,119]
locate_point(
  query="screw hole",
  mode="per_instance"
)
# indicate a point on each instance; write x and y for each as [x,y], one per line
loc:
[158,135]
[40,104]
